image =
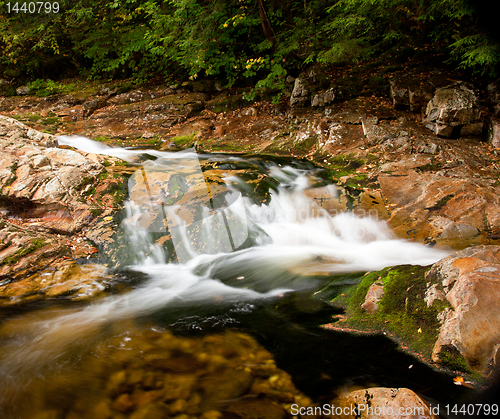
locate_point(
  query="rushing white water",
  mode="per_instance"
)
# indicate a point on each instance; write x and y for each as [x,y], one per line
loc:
[288,237]
[293,242]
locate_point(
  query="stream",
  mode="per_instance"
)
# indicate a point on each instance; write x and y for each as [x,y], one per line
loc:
[239,273]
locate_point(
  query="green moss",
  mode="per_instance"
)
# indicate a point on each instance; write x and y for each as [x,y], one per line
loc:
[343,165]
[184,141]
[358,297]
[34,117]
[35,244]
[402,309]
[87,180]
[122,163]
[452,358]
[154,142]
[13,167]
[224,103]
[119,196]
[356,183]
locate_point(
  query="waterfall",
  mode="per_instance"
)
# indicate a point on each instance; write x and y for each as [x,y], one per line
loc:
[232,250]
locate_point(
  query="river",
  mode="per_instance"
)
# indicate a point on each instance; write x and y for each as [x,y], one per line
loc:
[239,264]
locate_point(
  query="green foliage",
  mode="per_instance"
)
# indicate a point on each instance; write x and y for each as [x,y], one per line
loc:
[225,39]
[44,88]
[358,29]
[476,52]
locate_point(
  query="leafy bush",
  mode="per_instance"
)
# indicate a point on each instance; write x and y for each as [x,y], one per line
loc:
[43,88]
[232,40]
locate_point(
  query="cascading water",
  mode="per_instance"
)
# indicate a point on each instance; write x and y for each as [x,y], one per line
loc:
[231,251]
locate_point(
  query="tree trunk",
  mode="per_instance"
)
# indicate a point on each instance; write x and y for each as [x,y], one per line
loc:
[266,24]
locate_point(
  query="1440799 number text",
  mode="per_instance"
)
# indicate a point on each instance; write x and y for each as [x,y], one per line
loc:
[33,7]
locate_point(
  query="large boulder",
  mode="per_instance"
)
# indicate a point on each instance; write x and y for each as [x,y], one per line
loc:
[449,312]
[47,196]
[470,281]
[42,182]
[435,208]
[454,111]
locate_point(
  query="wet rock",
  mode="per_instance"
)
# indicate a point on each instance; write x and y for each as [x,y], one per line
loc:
[149,412]
[409,93]
[419,96]
[426,146]
[101,411]
[381,133]
[381,403]
[326,198]
[470,282]
[60,279]
[45,192]
[407,162]
[348,116]
[300,94]
[212,414]
[123,403]
[22,254]
[140,96]
[454,111]
[178,386]
[130,119]
[193,108]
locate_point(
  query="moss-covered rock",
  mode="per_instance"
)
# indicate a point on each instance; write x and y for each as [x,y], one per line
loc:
[447,313]
[402,310]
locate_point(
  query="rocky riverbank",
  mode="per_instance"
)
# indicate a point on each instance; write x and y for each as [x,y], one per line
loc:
[421,155]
